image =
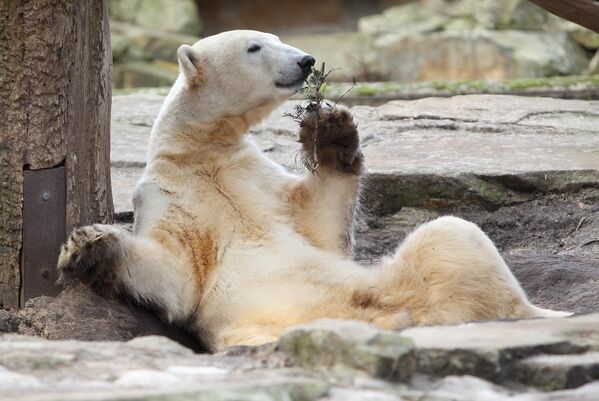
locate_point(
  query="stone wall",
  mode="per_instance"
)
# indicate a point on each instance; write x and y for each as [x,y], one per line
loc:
[475,39]
[145,37]
[534,360]
[430,40]
[436,40]
[288,16]
[146,34]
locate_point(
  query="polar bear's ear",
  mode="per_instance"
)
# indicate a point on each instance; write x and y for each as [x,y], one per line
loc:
[190,65]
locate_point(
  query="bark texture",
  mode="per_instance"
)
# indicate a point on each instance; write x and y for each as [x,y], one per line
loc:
[582,12]
[55,97]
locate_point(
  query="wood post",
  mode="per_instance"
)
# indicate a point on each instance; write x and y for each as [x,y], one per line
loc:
[582,12]
[55,97]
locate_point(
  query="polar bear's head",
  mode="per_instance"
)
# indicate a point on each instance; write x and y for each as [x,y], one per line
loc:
[233,72]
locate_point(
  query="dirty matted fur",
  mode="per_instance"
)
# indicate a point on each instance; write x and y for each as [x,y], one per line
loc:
[231,243]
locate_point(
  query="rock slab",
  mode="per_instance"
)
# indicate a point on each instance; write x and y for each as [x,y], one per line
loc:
[434,152]
[350,348]
[312,362]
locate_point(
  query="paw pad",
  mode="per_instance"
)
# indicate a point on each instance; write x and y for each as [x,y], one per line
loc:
[330,137]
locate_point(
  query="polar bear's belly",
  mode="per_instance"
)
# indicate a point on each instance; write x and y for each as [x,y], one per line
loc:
[271,274]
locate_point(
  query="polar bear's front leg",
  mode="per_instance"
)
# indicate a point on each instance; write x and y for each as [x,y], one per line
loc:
[325,200]
[111,260]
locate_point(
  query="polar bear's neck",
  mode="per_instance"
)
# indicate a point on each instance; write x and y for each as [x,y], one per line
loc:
[199,128]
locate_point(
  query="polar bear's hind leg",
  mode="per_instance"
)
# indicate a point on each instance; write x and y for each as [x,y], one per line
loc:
[463,275]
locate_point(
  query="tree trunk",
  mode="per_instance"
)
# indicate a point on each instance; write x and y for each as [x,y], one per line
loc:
[582,12]
[55,97]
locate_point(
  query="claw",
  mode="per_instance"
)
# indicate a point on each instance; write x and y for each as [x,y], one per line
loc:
[83,259]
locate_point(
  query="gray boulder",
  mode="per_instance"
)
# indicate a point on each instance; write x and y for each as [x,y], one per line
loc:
[134,43]
[479,54]
[465,39]
[348,348]
[178,16]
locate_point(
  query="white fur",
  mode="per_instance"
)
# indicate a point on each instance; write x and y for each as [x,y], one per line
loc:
[279,254]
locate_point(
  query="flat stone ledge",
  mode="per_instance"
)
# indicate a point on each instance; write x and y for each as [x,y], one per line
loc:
[350,348]
[147,368]
[548,354]
[554,372]
[324,360]
[493,350]
[437,152]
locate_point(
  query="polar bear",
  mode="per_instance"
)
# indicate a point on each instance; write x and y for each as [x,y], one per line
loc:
[238,249]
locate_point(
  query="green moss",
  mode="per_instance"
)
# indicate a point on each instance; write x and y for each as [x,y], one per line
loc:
[368,90]
[391,89]
[515,84]
[478,85]
[388,89]
[460,86]
[523,83]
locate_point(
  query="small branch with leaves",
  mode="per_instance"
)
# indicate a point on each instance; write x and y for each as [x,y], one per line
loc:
[314,93]
[312,116]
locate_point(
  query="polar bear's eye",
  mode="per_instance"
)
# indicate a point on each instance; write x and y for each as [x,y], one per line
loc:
[254,48]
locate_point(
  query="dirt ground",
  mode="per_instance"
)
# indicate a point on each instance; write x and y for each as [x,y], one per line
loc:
[551,243]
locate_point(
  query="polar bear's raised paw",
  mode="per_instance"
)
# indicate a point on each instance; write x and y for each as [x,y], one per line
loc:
[330,138]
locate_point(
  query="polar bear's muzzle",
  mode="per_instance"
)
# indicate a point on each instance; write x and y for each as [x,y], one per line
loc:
[305,67]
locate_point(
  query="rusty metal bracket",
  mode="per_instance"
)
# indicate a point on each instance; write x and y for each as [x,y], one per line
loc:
[44,230]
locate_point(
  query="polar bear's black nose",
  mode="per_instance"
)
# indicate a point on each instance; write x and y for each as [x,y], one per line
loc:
[306,64]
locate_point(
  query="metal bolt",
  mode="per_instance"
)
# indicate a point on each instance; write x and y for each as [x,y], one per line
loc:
[45,196]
